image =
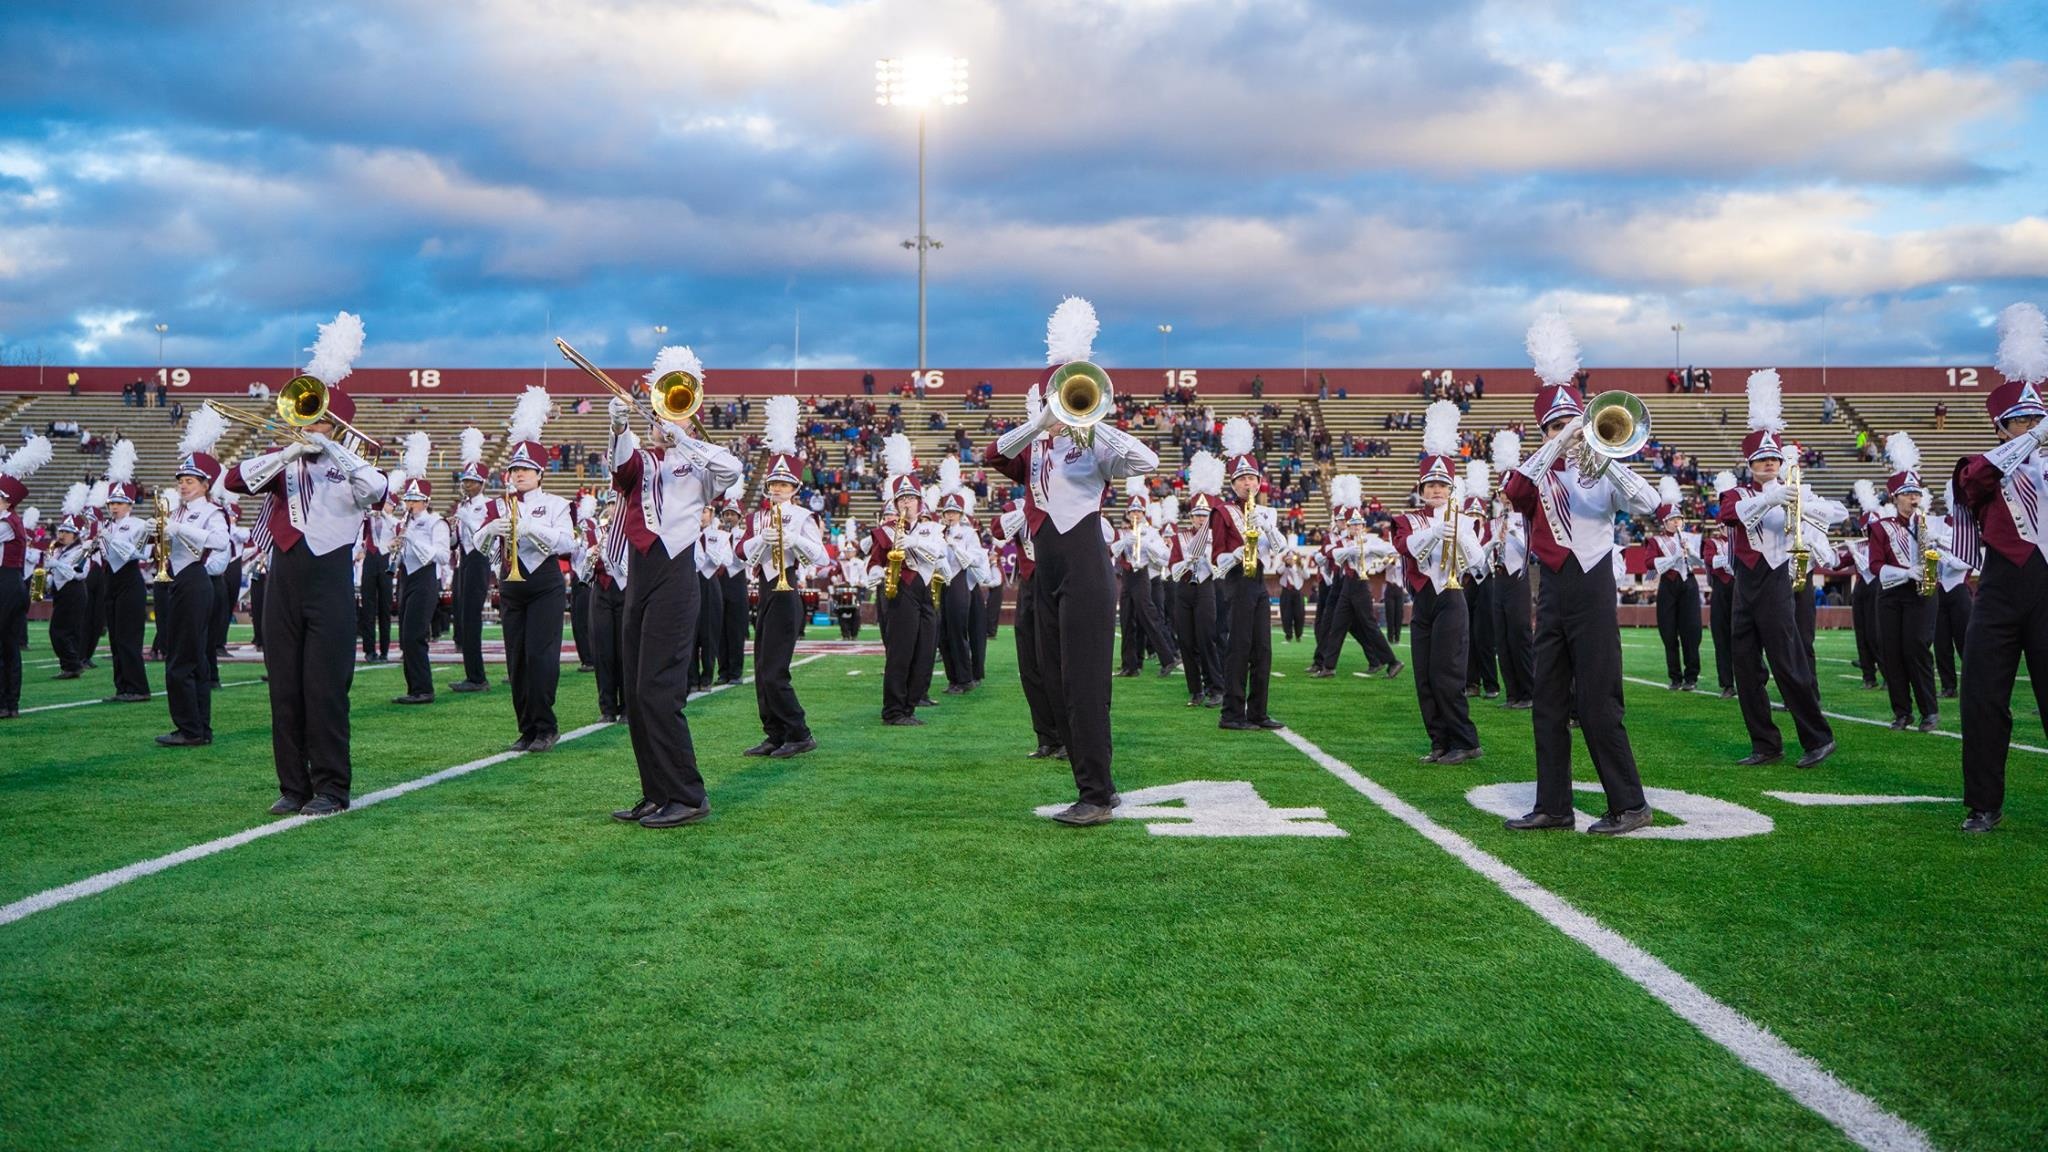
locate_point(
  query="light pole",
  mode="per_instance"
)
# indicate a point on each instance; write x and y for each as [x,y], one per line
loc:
[161,328]
[920,82]
[1677,358]
[1165,330]
[660,330]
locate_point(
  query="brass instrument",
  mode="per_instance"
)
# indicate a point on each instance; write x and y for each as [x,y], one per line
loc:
[512,573]
[38,583]
[1795,526]
[938,587]
[1454,559]
[676,395]
[1080,396]
[1930,559]
[163,537]
[1617,427]
[1250,558]
[781,574]
[301,403]
[893,577]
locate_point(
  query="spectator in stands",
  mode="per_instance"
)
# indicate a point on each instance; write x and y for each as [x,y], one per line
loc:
[867,383]
[1258,386]
[1478,386]
[1671,381]
[1706,380]
[163,392]
[1940,415]
[1828,409]
[177,410]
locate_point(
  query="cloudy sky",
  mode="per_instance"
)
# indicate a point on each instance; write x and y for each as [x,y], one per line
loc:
[1388,183]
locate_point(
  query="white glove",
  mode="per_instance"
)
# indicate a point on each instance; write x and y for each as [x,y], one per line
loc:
[147,526]
[494,528]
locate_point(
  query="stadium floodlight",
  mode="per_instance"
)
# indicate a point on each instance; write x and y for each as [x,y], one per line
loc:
[920,82]
[1165,330]
[1677,360]
[161,328]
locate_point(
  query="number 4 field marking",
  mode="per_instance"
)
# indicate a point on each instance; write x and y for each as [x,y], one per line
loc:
[1215,808]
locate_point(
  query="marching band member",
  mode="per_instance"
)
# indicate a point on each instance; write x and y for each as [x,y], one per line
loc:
[908,620]
[986,575]
[956,590]
[94,519]
[778,539]
[1570,505]
[316,493]
[1294,574]
[1482,674]
[1719,559]
[32,455]
[1511,585]
[1342,495]
[1820,514]
[1393,590]
[123,540]
[1763,622]
[1677,561]
[1904,620]
[1137,548]
[473,566]
[849,578]
[230,596]
[1437,638]
[1248,654]
[1952,603]
[531,607]
[1064,474]
[715,550]
[1863,597]
[601,565]
[63,565]
[1353,555]
[1024,629]
[198,531]
[422,542]
[2000,509]
[579,589]
[373,585]
[663,489]
[972,570]
[732,577]
[1194,577]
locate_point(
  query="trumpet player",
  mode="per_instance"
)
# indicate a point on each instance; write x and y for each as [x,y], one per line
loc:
[14,475]
[967,569]
[604,571]
[422,543]
[1675,557]
[716,549]
[124,538]
[536,526]
[316,490]
[472,564]
[662,490]
[1511,629]
[903,556]
[1569,496]
[373,584]
[198,533]
[1355,557]
[778,539]
[1904,619]
[63,564]
[1137,548]
[1190,561]
[1952,600]
[1441,544]
[1248,542]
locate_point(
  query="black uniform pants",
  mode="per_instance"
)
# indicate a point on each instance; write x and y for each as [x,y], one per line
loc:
[1326,611]
[579,620]
[1143,629]
[1481,667]
[1248,662]
[309,656]
[1351,614]
[1044,725]
[782,715]
[908,639]
[607,639]
[1951,625]
[1905,623]
[373,609]
[188,682]
[419,593]
[2008,621]
[126,603]
[993,613]
[95,610]
[532,611]
[13,619]
[1512,636]
[954,624]
[1721,621]
[661,617]
[710,637]
[1678,623]
[472,592]
[1194,615]
[1075,586]
[732,643]
[977,631]
[256,588]
[1863,616]
[1395,601]
[1764,625]
[1438,643]
[228,589]
[1293,612]
[1578,671]
[68,625]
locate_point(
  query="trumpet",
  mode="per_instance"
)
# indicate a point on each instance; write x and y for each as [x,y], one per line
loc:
[512,573]
[1454,558]
[1930,559]
[1251,534]
[163,537]
[301,403]
[775,511]
[1795,527]
[1617,427]
[1080,396]
[38,584]
[676,395]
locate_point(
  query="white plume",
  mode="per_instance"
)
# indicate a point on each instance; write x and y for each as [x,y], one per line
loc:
[1156,513]
[100,489]
[1507,450]
[1134,486]
[675,358]
[1237,436]
[779,435]
[1724,482]
[967,501]
[1344,491]
[949,474]
[1169,510]
[1766,401]
[737,492]
[530,414]
[418,454]
[1070,333]
[586,507]
[1866,495]
[1888,511]
[472,445]
[896,458]
[30,517]
[394,484]
[203,429]
[2023,344]
[1900,450]
[931,495]
[27,458]
[335,352]
[1205,474]
[74,499]
[1553,349]
[1478,479]
[1440,429]
[1668,493]
[121,462]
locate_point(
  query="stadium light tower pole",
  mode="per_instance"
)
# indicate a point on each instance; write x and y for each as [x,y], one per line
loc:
[161,328]
[1165,330]
[920,82]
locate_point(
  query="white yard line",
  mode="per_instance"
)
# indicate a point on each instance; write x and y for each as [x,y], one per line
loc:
[93,885]
[1844,717]
[224,686]
[1859,1117]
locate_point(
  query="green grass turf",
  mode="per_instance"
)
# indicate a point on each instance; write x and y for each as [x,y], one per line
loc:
[880,945]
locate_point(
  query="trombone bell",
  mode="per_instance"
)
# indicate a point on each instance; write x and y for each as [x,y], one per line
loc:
[1080,394]
[1617,425]
[677,396]
[302,402]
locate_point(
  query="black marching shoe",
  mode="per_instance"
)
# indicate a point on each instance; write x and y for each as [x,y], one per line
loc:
[1817,755]
[924,702]
[1320,674]
[674,815]
[180,740]
[1166,670]
[71,674]
[636,813]
[323,806]
[904,721]
[762,749]
[519,745]
[956,689]
[1435,754]
[1983,821]
[1213,700]
[1460,755]
[795,748]
[286,806]
[1238,726]
[127,698]
[544,743]
[1081,814]
[1518,705]
[1900,722]
[1756,758]
[1394,669]
[414,698]
[1930,722]
[469,686]
[1948,693]
[1194,701]
[1042,752]
[1727,693]
[1540,822]
[1059,752]
[1617,823]
[1268,723]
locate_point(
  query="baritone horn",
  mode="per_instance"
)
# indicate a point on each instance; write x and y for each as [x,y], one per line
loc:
[1080,396]
[1617,427]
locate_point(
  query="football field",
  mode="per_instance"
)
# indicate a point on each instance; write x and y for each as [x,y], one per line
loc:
[1294,939]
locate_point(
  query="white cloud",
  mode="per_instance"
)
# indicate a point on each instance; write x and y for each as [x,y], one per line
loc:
[101,327]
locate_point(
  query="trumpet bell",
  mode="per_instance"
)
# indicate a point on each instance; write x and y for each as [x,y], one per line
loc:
[1080,394]
[1617,424]
[677,396]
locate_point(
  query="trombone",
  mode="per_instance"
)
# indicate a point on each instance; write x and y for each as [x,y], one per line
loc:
[1617,427]
[676,395]
[301,403]
[1080,396]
